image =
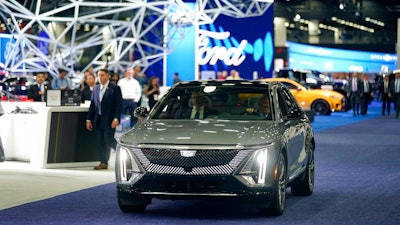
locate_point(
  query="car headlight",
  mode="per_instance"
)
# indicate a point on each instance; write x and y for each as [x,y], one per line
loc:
[334,96]
[255,169]
[128,168]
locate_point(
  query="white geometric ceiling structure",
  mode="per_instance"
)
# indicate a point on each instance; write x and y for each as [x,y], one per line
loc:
[52,34]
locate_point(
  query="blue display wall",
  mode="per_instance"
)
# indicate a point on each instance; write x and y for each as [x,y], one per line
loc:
[302,56]
[243,44]
[248,43]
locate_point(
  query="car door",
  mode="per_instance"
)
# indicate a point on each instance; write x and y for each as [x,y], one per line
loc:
[294,133]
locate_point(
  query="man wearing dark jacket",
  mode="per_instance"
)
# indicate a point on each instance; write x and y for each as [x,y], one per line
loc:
[37,92]
[366,95]
[354,92]
[87,90]
[104,116]
[394,91]
[198,108]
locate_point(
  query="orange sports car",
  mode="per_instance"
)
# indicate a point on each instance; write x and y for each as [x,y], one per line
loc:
[323,102]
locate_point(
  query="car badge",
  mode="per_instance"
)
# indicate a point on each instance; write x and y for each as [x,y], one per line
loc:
[187,153]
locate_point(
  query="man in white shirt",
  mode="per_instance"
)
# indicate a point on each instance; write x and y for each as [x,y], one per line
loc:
[131,93]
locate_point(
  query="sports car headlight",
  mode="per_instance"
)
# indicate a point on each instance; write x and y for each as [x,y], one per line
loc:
[128,167]
[334,96]
[255,169]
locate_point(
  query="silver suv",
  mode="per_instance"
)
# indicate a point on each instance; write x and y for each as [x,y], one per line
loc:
[240,139]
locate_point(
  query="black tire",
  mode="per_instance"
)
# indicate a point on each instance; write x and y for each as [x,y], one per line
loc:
[321,107]
[277,205]
[305,186]
[133,204]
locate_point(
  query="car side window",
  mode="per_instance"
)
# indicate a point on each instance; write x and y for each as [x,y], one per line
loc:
[282,105]
[286,102]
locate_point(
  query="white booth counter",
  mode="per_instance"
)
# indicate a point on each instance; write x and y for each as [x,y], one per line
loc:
[47,137]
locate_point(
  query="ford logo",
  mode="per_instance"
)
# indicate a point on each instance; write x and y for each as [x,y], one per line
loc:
[187,153]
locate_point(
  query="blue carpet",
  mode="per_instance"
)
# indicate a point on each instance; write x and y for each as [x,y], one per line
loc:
[342,118]
[357,182]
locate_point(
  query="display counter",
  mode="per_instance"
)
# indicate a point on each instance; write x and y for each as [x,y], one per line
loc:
[47,137]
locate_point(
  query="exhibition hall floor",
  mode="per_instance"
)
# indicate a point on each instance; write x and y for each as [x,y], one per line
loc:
[357,181]
[21,183]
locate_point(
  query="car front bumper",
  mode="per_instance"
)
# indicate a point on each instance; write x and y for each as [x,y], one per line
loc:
[196,187]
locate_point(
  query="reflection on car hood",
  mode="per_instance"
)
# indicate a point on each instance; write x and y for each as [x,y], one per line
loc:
[200,132]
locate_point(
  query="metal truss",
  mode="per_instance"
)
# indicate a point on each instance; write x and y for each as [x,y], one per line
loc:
[52,34]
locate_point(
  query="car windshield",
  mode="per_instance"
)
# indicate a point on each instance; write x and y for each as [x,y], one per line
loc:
[215,102]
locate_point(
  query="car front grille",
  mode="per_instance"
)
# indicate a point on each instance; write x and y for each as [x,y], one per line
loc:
[203,162]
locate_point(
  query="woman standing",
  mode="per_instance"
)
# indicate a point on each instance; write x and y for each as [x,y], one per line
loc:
[153,91]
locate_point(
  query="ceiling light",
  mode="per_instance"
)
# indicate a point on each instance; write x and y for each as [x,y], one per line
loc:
[297,17]
[341,6]
[376,22]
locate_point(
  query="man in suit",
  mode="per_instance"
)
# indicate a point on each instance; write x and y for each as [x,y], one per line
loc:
[37,92]
[104,116]
[354,90]
[366,95]
[386,100]
[198,108]
[88,89]
[394,92]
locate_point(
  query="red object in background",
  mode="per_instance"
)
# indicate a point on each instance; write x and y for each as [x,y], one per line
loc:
[25,99]
[20,98]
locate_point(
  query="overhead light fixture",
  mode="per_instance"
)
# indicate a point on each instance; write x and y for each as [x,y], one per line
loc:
[297,17]
[341,6]
[352,24]
[377,22]
[86,27]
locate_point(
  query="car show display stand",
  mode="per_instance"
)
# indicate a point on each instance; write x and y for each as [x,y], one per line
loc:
[47,137]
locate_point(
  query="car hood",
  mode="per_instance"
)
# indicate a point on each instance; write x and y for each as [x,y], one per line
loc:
[200,132]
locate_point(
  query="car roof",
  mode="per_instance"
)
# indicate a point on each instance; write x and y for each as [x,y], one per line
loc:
[281,79]
[252,83]
[298,70]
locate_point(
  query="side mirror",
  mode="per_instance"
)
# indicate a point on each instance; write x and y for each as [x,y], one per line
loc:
[140,112]
[295,113]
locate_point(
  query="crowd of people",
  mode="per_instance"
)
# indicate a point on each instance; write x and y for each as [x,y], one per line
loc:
[360,91]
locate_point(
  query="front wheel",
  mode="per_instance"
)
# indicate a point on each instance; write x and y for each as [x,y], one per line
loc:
[132,203]
[321,107]
[306,185]
[277,205]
